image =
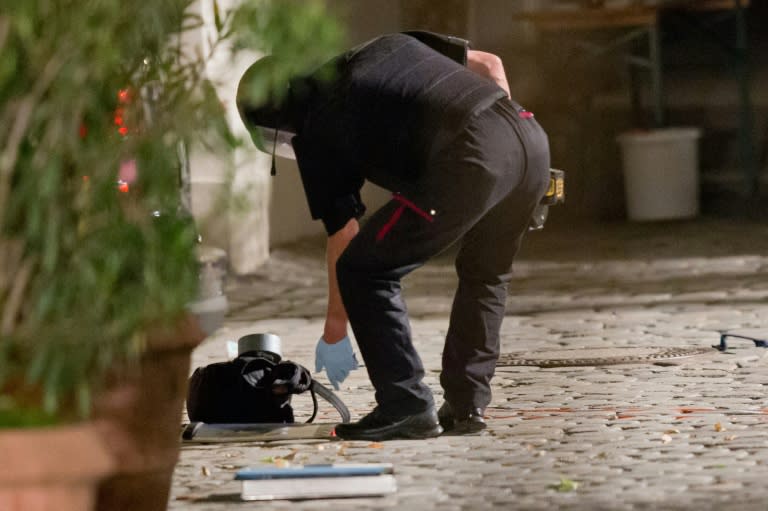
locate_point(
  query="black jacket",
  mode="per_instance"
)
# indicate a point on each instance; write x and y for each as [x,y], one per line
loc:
[390,103]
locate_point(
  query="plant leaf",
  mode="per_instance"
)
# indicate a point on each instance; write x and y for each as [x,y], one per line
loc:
[565,485]
[217,16]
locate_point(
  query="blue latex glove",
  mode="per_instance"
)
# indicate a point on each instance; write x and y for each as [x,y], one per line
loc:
[338,360]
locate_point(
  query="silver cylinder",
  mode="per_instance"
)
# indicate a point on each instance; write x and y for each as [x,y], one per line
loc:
[259,342]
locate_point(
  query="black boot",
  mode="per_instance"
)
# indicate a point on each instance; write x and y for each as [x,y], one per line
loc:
[379,426]
[468,422]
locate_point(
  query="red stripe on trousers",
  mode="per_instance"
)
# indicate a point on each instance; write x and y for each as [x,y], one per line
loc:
[404,203]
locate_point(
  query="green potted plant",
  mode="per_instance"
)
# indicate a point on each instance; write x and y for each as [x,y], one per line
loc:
[97,257]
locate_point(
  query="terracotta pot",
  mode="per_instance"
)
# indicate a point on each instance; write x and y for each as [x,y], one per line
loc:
[139,417]
[52,468]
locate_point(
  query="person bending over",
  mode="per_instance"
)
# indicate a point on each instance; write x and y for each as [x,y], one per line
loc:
[431,120]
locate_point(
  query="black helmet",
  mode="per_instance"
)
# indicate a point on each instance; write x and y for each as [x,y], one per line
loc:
[281,109]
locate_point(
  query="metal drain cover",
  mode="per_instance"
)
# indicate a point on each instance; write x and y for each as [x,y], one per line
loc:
[574,357]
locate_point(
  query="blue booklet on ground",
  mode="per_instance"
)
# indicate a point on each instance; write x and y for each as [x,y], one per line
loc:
[316,481]
[323,470]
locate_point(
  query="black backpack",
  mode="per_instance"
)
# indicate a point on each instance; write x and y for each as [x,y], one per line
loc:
[255,387]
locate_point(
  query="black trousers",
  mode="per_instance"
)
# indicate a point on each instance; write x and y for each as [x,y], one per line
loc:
[478,190]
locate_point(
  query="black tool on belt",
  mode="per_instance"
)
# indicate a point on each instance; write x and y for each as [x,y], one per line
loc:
[555,195]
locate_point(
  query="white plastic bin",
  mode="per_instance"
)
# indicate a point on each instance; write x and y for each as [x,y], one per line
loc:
[661,173]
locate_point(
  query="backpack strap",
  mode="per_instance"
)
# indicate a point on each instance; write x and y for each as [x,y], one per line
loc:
[328,395]
[314,405]
[285,378]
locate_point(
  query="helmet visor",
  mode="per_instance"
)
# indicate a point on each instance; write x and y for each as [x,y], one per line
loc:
[277,141]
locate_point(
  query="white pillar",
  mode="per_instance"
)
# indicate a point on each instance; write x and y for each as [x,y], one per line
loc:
[230,192]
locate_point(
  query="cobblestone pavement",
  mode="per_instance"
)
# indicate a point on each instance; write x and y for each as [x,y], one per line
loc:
[687,433]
